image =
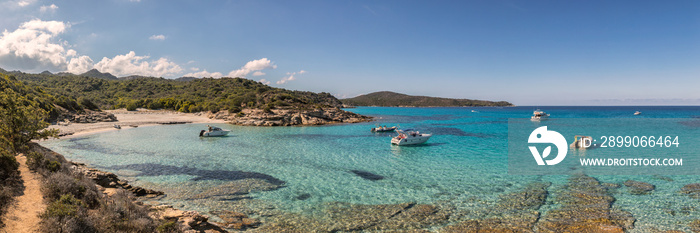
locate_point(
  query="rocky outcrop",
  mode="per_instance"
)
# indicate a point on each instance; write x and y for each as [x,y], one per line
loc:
[110,180]
[586,206]
[289,117]
[638,187]
[90,116]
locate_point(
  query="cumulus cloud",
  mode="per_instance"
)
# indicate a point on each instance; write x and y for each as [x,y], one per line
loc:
[80,64]
[52,8]
[252,66]
[23,3]
[34,45]
[258,73]
[130,64]
[290,77]
[204,74]
[264,81]
[157,37]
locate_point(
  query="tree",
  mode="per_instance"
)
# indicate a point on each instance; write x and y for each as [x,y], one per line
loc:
[21,120]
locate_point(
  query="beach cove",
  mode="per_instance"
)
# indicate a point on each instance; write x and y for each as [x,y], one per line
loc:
[344,178]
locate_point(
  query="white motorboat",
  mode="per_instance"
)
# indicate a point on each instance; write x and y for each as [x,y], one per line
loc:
[637,113]
[214,132]
[410,137]
[381,129]
[539,115]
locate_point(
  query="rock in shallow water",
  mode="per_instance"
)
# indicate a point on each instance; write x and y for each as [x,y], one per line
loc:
[639,188]
[367,175]
[585,207]
[692,190]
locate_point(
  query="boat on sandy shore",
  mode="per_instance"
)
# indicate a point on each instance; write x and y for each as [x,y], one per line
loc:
[214,132]
[409,137]
[539,115]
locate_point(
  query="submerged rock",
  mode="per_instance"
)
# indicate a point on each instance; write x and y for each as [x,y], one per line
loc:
[236,220]
[235,189]
[302,197]
[367,175]
[585,207]
[513,212]
[639,188]
[692,190]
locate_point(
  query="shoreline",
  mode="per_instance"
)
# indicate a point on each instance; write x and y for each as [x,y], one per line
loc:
[132,119]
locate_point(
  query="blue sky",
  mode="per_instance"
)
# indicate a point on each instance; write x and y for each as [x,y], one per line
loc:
[526,52]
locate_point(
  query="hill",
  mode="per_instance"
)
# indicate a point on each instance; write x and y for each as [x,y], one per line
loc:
[238,100]
[393,99]
[94,73]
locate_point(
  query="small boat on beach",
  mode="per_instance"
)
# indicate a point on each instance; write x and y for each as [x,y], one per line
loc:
[214,132]
[381,129]
[409,137]
[539,115]
[637,113]
[117,126]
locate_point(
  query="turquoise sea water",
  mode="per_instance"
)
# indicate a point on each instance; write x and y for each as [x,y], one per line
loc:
[464,165]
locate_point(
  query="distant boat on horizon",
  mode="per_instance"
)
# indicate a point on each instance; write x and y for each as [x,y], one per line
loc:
[637,113]
[539,115]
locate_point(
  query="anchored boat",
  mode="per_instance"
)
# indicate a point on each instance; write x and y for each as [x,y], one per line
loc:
[214,132]
[410,137]
[539,115]
[380,129]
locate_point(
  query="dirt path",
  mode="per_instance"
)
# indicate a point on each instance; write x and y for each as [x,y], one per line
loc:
[23,216]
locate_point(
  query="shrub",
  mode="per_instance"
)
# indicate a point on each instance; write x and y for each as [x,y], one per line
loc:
[8,166]
[168,227]
[58,184]
[267,109]
[53,166]
[66,214]
[35,160]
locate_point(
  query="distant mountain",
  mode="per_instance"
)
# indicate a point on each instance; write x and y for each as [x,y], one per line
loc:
[94,73]
[185,79]
[46,72]
[393,99]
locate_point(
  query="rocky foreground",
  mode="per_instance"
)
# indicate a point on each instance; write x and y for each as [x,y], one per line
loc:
[289,117]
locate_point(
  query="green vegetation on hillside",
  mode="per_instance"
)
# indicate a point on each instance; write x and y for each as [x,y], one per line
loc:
[197,95]
[22,117]
[392,99]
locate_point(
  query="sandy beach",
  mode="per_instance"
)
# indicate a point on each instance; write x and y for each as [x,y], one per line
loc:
[129,119]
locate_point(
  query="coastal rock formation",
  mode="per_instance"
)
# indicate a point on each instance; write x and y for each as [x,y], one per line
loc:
[289,117]
[586,206]
[639,188]
[110,180]
[92,117]
[514,212]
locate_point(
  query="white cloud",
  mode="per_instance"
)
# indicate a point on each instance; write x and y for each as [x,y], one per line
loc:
[290,77]
[130,64]
[252,66]
[258,73]
[52,8]
[157,37]
[23,3]
[34,45]
[204,74]
[80,64]
[264,81]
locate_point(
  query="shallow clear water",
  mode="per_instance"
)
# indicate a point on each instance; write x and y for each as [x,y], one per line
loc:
[464,164]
